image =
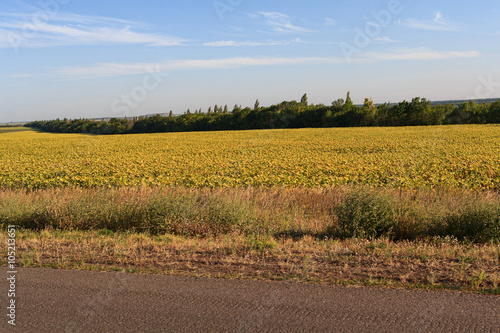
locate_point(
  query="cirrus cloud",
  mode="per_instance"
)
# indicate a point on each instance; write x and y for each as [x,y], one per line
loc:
[222,43]
[115,69]
[437,24]
[66,29]
[281,22]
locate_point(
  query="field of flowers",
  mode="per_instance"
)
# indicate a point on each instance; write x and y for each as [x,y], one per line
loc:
[464,156]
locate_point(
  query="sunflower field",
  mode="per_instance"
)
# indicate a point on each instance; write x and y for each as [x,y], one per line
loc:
[461,156]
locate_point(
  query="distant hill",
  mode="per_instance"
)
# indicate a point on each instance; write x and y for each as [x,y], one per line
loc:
[133,117]
[13,124]
[455,102]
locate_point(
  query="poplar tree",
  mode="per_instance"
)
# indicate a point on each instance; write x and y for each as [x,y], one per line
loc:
[303,100]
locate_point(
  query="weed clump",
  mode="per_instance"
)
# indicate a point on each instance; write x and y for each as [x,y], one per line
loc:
[365,214]
[374,213]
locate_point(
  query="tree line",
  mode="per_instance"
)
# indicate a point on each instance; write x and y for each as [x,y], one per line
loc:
[289,114]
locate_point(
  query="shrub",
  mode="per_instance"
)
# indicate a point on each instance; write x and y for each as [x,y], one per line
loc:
[479,222]
[206,216]
[365,214]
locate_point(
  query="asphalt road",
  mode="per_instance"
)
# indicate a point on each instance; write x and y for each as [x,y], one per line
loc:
[79,301]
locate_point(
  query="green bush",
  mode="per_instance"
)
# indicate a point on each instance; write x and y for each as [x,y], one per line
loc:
[365,214]
[477,222]
[202,216]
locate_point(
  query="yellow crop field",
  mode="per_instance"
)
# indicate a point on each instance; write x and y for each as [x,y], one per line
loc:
[465,156]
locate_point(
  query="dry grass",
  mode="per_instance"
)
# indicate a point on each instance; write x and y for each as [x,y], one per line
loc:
[360,212]
[442,263]
[275,233]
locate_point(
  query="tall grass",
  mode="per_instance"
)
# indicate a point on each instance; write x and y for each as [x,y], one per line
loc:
[413,214]
[342,212]
[179,211]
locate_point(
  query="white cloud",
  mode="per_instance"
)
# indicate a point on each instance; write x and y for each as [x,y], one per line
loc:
[385,39]
[18,76]
[281,22]
[115,69]
[23,30]
[439,19]
[438,24]
[246,43]
[222,43]
[421,54]
[329,22]
[17,84]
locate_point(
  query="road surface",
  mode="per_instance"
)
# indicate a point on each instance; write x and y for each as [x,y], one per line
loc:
[50,300]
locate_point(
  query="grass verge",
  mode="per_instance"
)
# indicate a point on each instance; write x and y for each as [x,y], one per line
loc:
[437,264]
[441,238]
[343,212]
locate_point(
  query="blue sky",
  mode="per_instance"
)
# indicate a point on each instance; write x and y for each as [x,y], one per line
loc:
[78,59]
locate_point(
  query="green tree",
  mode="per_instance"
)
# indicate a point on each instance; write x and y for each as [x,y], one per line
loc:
[494,112]
[256,105]
[418,112]
[368,110]
[303,100]
[338,103]
[348,102]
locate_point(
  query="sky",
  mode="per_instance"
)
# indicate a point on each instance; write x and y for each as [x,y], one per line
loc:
[116,58]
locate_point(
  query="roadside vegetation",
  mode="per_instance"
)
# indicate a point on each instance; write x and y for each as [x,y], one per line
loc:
[338,212]
[441,238]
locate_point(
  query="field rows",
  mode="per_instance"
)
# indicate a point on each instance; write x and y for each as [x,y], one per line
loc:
[455,156]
